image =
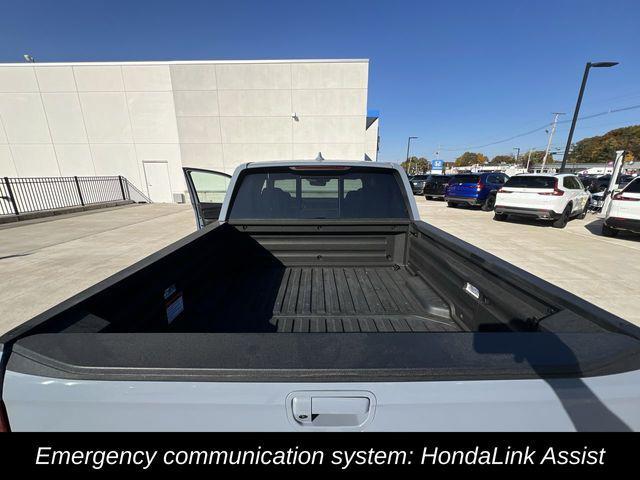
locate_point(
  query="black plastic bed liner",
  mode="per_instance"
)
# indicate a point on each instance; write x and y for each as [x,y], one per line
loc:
[323,299]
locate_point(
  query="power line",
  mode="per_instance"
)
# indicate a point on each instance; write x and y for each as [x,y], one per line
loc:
[524,134]
[499,141]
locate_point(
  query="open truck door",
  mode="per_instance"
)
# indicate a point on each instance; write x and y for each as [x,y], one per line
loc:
[613,184]
[207,189]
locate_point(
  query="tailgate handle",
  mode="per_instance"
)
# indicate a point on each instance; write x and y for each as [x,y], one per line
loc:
[330,411]
[339,405]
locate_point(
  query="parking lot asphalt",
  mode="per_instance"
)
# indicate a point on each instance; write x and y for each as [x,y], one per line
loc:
[45,262]
[604,271]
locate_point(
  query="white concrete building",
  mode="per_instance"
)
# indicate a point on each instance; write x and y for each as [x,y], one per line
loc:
[145,120]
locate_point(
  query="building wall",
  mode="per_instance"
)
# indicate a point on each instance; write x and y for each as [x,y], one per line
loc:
[110,118]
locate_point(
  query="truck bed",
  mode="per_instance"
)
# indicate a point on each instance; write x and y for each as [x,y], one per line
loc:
[319,299]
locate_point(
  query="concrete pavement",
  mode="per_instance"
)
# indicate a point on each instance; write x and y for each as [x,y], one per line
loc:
[604,271]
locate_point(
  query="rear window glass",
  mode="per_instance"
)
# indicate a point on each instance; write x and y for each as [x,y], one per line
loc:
[625,178]
[531,182]
[439,179]
[287,194]
[633,187]
[466,179]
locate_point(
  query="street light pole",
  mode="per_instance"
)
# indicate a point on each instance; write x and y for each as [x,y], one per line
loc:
[587,67]
[409,146]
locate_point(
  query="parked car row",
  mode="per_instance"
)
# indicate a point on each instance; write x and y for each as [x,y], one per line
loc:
[554,197]
[463,189]
[599,183]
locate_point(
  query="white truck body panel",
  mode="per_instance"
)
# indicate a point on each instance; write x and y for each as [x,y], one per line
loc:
[598,403]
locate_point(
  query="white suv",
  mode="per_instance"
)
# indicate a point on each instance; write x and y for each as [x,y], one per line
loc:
[623,213]
[544,196]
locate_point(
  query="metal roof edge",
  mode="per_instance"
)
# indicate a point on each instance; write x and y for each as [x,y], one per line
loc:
[183,62]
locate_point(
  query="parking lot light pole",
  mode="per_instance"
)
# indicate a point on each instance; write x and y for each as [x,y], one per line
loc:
[409,146]
[577,110]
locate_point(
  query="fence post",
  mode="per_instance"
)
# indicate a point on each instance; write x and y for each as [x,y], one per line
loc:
[11,197]
[124,196]
[79,191]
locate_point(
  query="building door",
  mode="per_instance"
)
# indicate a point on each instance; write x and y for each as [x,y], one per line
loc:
[156,175]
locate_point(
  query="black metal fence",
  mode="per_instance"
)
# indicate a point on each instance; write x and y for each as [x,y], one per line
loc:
[34,194]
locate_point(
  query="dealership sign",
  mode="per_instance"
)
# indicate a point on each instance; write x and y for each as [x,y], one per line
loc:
[437,165]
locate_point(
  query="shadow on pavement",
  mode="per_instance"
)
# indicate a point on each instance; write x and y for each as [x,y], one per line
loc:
[14,256]
[595,228]
[529,221]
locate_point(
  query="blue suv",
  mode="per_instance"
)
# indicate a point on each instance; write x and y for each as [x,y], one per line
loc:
[477,189]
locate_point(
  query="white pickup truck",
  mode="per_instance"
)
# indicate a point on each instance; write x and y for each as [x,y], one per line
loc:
[314,298]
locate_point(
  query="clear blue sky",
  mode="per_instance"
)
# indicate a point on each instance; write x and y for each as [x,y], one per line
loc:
[456,73]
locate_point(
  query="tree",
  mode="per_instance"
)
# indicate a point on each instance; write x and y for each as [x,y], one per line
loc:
[416,165]
[470,158]
[602,148]
[498,159]
[537,156]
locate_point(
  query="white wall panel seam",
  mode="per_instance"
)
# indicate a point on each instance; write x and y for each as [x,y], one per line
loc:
[175,116]
[13,161]
[46,119]
[280,116]
[215,79]
[84,123]
[140,169]
[248,143]
[293,112]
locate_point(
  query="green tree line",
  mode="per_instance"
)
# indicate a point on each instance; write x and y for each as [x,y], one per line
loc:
[598,149]
[602,148]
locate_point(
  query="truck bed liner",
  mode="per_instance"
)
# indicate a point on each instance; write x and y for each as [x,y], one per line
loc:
[323,299]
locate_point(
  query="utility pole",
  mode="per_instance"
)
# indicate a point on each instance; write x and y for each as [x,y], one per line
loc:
[529,159]
[553,129]
[517,149]
[409,146]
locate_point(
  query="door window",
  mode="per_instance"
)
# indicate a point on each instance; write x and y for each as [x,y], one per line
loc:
[210,187]
[571,183]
